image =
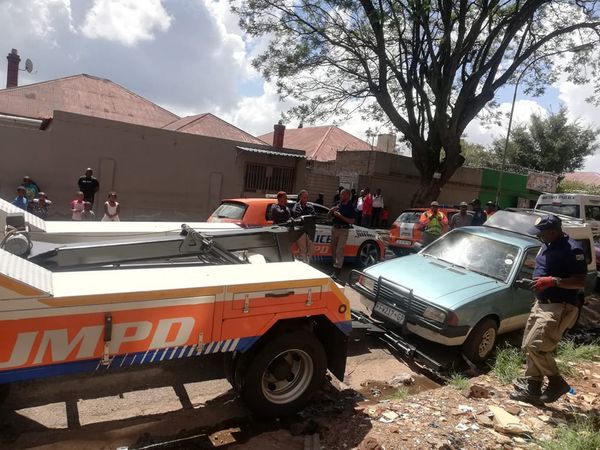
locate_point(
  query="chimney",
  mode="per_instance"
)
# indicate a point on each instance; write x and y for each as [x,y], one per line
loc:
[12,71]
[278,134]
[386,143]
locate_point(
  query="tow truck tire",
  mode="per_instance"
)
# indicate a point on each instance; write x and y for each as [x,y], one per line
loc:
[481,341]
[283,374]
[368,254]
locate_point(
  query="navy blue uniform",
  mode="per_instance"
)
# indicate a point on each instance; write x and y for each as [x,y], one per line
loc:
[280,214]
[562,258]
[479,218]
[346,210]
[303,210]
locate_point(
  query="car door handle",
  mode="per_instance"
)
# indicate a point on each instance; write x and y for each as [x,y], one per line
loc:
[279,294]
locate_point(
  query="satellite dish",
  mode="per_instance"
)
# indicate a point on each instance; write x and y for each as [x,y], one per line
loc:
[28,65]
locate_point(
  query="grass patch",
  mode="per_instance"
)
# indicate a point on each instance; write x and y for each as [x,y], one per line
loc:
[508,364]
[577,436]
[400,394]
[459,381]
[567,352]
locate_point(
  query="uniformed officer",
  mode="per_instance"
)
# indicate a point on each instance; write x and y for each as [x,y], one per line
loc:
[559,275]
[343,218]
[280,213]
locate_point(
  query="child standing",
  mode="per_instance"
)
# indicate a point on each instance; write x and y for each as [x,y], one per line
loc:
[111,208]
[77,206]
[87,213]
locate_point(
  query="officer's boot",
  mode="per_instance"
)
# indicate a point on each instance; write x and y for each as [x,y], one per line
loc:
[557,387]
[528,391]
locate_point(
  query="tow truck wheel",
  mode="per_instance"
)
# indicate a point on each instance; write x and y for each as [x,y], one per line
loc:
[368,254]
[282,375]
[481,341]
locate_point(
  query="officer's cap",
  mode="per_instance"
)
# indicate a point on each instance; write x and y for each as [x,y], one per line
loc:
[475,201]
[463,204]
[434,203]
[549,222]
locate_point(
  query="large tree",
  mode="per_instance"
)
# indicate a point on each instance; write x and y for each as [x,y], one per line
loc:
[549,144]
[427,66]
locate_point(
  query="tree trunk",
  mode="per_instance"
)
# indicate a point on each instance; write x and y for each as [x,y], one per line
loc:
[430,187]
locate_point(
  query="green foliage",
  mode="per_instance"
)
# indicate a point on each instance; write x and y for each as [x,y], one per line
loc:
[582,435]
[549,144]
[577,186]
[508,364]
[478,156]
[568,355]
[401,393]
[459,381]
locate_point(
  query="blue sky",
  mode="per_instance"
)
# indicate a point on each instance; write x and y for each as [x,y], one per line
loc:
[190,57]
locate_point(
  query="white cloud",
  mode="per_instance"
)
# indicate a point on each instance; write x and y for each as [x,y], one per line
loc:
[484,134]
[125,21]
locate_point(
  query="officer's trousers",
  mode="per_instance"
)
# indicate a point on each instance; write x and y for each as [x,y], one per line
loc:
[545,327]
[306,248]
[339,236]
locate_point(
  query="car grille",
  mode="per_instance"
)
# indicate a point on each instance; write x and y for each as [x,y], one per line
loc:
[395,296]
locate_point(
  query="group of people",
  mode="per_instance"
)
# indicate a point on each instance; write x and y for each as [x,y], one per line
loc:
[369,209]
[343,215]
[31,198]
[434,222]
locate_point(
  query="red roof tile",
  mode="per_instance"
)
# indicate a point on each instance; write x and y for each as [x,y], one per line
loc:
[320,143]
[83,94]
[584,177]
[209,125]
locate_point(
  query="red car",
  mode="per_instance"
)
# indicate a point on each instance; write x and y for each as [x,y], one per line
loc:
[405,234]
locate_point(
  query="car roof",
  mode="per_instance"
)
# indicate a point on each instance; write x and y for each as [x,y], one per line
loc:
[520,220]
[249,201]
[441,208]
[510,237]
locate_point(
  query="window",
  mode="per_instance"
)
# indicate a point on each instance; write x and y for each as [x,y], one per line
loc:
[587,249]
[526,271]
[230,210]
[567,210]
[260,177]
[592,212]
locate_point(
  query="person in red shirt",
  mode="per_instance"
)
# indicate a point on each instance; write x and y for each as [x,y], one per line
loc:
[367,210]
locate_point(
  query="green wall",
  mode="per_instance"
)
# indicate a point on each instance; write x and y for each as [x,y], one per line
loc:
[513,187]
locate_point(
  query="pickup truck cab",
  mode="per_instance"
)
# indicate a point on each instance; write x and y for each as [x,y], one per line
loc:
[463,289]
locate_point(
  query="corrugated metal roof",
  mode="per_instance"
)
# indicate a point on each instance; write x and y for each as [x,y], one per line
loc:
[265,151]
[320,143]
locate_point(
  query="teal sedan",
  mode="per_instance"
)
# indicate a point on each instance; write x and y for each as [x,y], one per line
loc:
[461,290]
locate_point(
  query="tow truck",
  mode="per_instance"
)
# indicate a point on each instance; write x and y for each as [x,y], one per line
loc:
[99,305]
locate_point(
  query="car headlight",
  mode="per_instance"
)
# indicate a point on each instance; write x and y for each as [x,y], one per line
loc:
[434,314]
[367,283]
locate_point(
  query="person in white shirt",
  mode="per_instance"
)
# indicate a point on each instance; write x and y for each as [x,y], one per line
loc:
[377,207]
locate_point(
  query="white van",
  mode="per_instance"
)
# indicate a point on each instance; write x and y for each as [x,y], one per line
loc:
[582,206]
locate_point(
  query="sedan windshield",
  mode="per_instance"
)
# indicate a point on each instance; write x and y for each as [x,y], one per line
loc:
[479,254]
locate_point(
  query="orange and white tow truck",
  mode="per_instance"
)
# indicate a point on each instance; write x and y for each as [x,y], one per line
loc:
[95,306]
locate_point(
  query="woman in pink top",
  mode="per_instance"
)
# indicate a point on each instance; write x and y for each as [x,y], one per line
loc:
[111,208]
[77,206]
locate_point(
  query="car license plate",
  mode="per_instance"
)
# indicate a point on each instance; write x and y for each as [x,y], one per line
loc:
[391,313]
[403,242]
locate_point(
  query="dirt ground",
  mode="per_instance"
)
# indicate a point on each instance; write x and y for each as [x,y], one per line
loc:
[382,403]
